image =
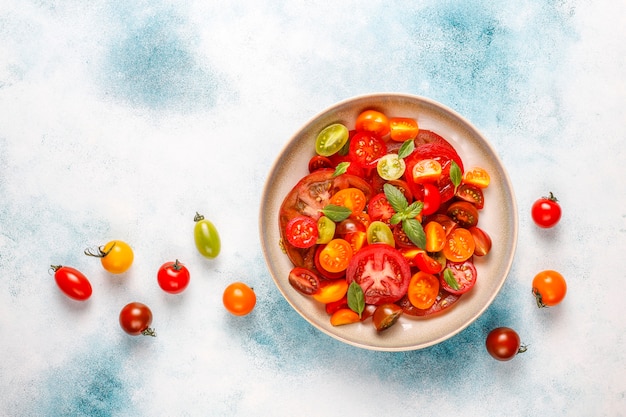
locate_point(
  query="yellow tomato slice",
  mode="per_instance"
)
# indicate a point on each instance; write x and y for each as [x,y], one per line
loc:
[352,198]
[477,176]
[344,316]
[331,291]
[426,170]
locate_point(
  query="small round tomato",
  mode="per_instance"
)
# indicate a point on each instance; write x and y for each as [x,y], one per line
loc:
[546,211]
[458,277]
[423,290]
[435,236]
[72,282]
[426,170]
[549,288]
[477,176]
[331,291]
[386,315]
[304,280]
[351,198]
[325,230]
[239,299]
[482,241]
[301,232]
[173,277]
[403,128]
[331,139]
[459,245]
[503,343]
[390,167]
[344,316]
[379,208]
[336,255]
[320,162]
[432,199]
[464,213]
[136,318]
[471,194]
[372,121]
[366,149]
[206,237]
[380,232]
[116,256]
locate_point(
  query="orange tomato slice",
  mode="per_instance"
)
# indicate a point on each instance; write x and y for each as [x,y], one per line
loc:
[336,255]
[459,246]
[435,236]
[352,198]
[344,316]
[423,290]
[426,170]
[331,291]
[403,128]
[477,176]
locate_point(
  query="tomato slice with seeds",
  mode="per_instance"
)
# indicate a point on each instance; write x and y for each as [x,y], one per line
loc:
[427,264]
[471,194]
[463,213]
[381,271]
[423,290]
[320,162]
[464,274]
[302,232]
[304,280]
[459,245]
[321,271]
[379,208]
[444,301]
[352,198]
[366,149]
[435,236]
[426,170]
[477,176]
[336,255]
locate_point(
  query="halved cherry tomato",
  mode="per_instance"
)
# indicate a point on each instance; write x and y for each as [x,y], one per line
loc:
[464,276]
[320,162]
[435,236]
[431,200]
[410,253]
[336,305]
[423,290]
[390,167]
[304,280]
[325,230]
[426,170]
[380,232]
[403,128]
[362,217]
[442,153]
[349,225]
[477,176]
[351,198]
[471,194]
[459,245]
[463,213]
[356,240]
[336,255]
[366,149]
[379,208]
[331,291]
[444,301]
[302,232]
[344,316]
[404,188]
[324,273]
[331,139]
[446,222]
[381,271]
[372,121]
[401,238]
[427,264]
[482,241]
[386,315]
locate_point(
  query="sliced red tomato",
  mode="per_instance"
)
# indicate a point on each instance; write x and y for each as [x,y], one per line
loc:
[372,121]
[463,213]
[379,208]
[366,149]
[336,305]
[304,280]
[356,240]
[400,237]
[459,245]
[302,231]
[427,264]
[320,162]
[403,128]
[423,290]
[464,277]
[381,271]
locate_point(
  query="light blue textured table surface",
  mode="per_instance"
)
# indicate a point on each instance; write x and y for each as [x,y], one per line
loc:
[120,120]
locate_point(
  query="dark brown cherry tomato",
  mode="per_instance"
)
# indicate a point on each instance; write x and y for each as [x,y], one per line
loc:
[472,194]
[463,213]
[386,315]
[320,162]
[444,301]
[503,343]
[304,280]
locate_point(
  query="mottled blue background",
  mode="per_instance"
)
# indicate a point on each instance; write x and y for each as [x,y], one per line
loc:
[120,120]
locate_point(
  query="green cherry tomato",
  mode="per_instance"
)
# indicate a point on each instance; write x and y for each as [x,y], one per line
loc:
[206,237]
[380,232]
[390,167]
[326,230]
[330,140]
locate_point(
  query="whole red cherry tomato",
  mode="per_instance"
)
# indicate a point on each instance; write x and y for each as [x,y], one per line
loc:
[546,211]
[503,343]
[72,282]
[173,277]
[136,318]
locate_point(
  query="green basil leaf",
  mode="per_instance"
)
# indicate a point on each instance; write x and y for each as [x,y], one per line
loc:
[448,276]
[455,174]
[336,213]
[356,298]
[406,149]
[413,210]
[341,168]
[395,198]
[415,232]
[396,218]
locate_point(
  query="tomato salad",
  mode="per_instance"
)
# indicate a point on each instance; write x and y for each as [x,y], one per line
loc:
[385,223]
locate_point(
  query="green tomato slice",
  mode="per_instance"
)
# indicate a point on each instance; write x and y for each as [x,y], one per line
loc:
[331,139]
[391,167]
[326,228]
[379,232]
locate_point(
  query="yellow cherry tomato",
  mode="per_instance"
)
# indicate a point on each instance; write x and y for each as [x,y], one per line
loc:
[116,256]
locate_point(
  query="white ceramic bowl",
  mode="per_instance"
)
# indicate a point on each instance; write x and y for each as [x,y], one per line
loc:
[498,218]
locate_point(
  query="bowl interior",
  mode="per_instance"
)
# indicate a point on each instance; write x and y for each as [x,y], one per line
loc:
[498,218]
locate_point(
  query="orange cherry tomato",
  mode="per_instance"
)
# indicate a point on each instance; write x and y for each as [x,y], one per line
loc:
[476,176]
[336,255]
[344,316]
[549,288]
[352,198]
[331,291]
[239,299]
[423,290]
[372,121]
[403,128]
[435,236]
[426,170]
[459,245]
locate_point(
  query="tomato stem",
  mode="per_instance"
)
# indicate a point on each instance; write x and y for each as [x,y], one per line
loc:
[149,332]
[522,349]
[552,197]
[538,298]
[177,266]
[101,253]
[198,217]
[54,268]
